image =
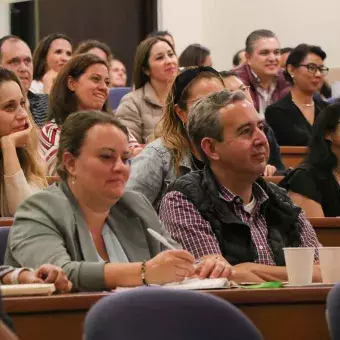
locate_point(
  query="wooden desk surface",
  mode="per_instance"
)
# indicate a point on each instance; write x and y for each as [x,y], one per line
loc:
[6,221]
[287,313]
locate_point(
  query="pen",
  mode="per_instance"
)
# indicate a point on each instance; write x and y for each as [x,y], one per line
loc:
[160,238]
[165,242]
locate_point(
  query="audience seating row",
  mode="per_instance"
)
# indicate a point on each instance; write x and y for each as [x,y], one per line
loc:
[292,156]
[302,309]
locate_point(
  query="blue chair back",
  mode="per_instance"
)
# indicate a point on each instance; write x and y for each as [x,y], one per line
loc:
[333,312]
[158,313]
[4,231]
[116,94]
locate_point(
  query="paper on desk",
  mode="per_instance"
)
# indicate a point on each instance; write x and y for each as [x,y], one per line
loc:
[27,289]
[197,283]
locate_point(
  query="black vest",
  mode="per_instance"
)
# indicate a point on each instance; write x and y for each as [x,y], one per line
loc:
[234,238]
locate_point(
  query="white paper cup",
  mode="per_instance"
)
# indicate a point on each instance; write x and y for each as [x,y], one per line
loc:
[299,264]
[330,264]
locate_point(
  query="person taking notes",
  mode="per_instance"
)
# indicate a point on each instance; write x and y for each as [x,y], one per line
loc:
[90,226]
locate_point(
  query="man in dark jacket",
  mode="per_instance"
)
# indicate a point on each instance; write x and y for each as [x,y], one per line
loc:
[228,209]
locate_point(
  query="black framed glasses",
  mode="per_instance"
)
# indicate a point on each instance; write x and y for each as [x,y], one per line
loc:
[313,68]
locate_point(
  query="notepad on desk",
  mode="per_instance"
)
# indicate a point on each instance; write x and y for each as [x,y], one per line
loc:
[27,289]
[197,283]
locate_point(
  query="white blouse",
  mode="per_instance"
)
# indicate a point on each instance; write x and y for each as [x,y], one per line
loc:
[37,86]
[14,191]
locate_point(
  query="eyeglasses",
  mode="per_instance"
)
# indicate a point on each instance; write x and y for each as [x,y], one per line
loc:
[313,68]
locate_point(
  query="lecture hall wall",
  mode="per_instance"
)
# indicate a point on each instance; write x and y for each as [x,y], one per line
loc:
[223,25]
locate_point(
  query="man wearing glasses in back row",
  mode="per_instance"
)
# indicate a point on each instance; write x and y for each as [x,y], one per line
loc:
[292,118]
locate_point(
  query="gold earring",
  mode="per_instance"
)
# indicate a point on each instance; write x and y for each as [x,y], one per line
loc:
[73,180]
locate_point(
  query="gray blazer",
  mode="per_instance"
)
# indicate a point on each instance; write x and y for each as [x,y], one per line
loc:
[49,227]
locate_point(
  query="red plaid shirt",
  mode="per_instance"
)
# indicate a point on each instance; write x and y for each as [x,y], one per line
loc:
[282,87]
[186,225]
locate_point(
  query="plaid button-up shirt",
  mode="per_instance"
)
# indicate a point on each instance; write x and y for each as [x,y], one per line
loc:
[186,225]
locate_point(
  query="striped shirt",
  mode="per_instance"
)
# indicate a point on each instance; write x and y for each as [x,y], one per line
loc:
[38,107]
[186,225]
[49,143]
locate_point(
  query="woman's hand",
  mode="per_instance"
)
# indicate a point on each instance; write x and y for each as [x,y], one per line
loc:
[47,273]
[136,151]
[213,266]
[169,266]
[17,139]
[269,170]
[48,80]
[53,274]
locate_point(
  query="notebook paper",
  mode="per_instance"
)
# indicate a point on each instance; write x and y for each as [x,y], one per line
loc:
[27,289]
[199,284]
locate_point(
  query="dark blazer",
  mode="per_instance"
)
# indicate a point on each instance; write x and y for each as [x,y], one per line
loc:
[49,227]
[289,124]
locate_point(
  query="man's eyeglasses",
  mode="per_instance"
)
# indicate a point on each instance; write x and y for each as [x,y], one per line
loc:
[313,68]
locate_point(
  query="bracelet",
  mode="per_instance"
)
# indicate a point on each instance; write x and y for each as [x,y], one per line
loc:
[15,275]
[142,273]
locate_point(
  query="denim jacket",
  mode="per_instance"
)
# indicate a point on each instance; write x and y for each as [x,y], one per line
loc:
[154,169]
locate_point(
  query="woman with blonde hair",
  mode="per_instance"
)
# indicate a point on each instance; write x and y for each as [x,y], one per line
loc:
[21,170]
[171,154]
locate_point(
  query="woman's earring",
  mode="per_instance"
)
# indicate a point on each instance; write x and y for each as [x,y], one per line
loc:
[73,180]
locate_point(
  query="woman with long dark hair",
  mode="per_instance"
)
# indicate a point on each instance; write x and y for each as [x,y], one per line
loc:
[49,57]
[314,186]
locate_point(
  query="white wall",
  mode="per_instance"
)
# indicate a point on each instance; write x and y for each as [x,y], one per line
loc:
[223,25]
[4,18]
[183,19]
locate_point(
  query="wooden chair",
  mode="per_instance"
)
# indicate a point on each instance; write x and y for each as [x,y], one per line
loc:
[327,230]
[292,156]
[274,179]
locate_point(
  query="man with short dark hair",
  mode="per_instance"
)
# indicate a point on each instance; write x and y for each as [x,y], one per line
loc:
[228,208]
[262,70]
[239,58]
[17,57]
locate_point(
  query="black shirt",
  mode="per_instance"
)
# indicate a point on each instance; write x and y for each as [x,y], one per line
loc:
[290,126]
[316,185]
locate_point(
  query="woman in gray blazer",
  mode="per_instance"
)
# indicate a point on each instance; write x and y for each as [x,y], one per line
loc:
[89,225]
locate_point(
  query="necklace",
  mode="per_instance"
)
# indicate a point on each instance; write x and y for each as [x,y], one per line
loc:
[307,105]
